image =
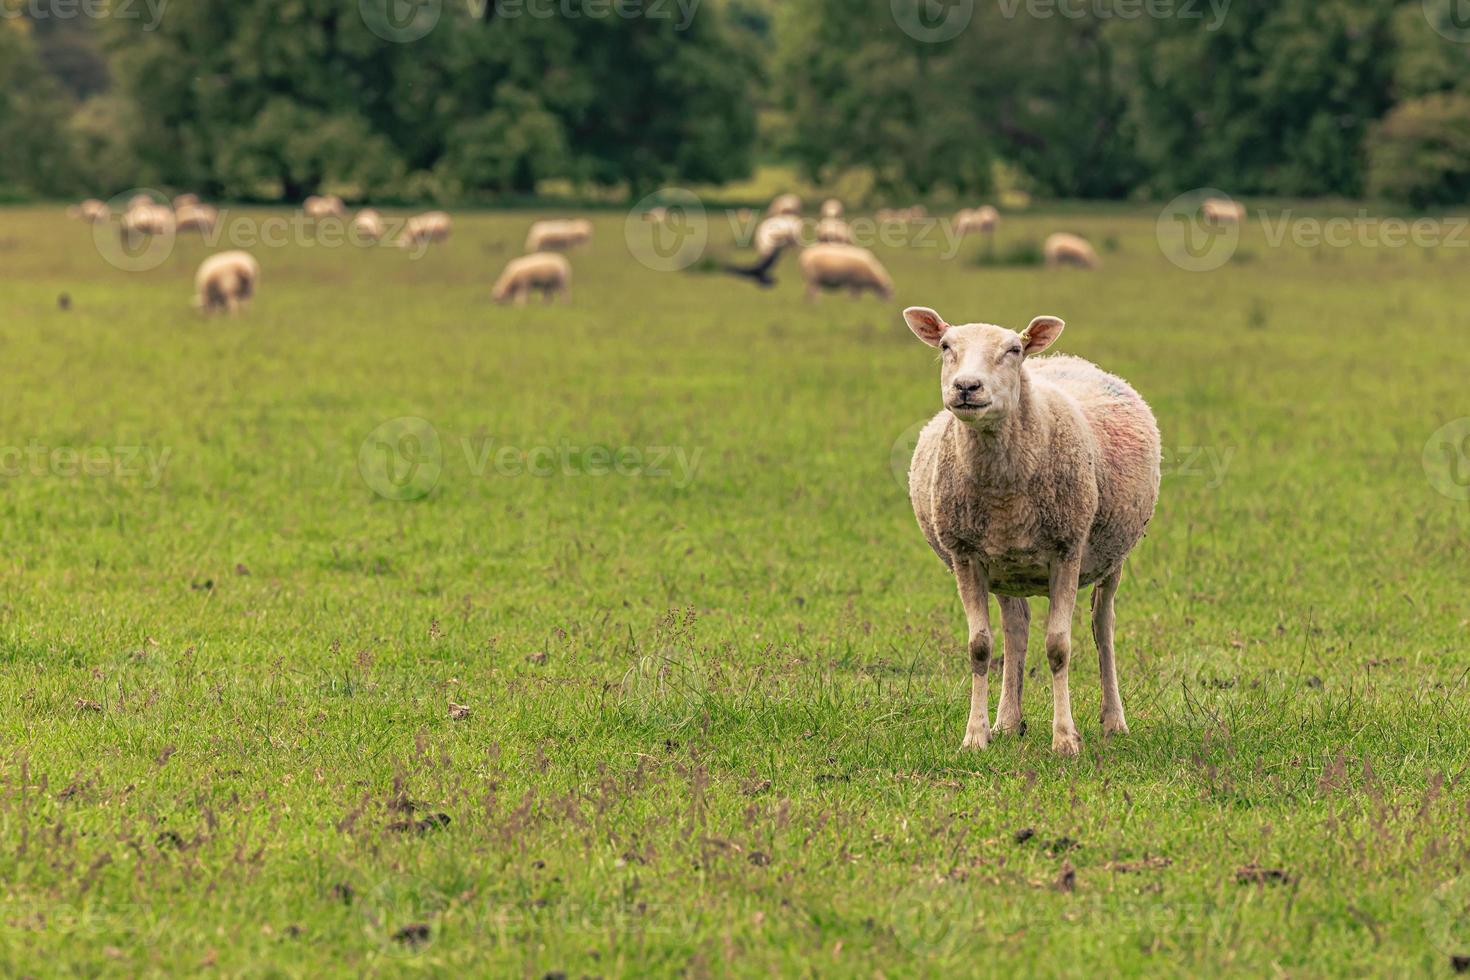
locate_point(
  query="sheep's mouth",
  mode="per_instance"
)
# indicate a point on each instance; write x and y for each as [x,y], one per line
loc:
[969,406]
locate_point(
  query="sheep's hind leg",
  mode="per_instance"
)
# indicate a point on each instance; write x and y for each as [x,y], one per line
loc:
[1063,594]
[975,594]
[1113,721]
[1015,617]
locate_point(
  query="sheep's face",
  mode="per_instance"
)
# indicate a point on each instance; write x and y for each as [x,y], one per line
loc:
[980,375]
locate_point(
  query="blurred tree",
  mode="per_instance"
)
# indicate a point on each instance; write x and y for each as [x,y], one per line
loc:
[35,154]
[1420,153]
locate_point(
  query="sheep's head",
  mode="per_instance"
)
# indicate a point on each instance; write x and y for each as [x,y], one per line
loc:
[980,364]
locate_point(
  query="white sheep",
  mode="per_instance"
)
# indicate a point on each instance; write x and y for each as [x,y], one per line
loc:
[983,220]
[1038,478]
[777,233]
[788,204]
[326,206]
[196,217]
[1064,249]
[1222,211]
[185,201]
[549,272]
[368,225]
[226,282]
[431,226]
[146,220]
[91,211]
[558,236]
[834,231]
[848,267]
[832,208]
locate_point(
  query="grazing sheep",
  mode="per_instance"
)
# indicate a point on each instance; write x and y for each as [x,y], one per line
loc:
[1222,211]
[832,208]
[328,206]
[139,200]
[558,236]
[550,272]
[196,217]
[984,220]
[368,225]
[186,201]
[843,267]
[146,221]
[91,211]
[431,226]
[1038,478]
[777,233]
[1064,249]
[226,282]
[834,231]
[788,204]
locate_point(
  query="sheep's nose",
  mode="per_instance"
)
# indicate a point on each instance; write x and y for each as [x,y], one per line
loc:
[968,385]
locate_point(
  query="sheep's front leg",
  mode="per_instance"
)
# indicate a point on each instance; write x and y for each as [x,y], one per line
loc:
[1113,722]
[1063,594]
[1015,616]
[975,594]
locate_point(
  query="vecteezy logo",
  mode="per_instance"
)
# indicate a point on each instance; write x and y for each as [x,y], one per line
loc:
[1449,18]
[1447,460]
[932,21]
[1191,241]
[145,238]
[1447,917]
[902,454]
[667,230]
[936,918]
[401,459]
[401,21]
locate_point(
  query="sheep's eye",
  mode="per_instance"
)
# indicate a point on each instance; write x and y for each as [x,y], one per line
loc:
[945,348]
[1014,350]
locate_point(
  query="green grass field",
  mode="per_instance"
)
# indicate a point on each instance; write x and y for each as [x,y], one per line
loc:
[716,679]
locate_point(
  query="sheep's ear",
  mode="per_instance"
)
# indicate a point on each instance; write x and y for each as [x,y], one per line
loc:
[1042,333]
[927,325]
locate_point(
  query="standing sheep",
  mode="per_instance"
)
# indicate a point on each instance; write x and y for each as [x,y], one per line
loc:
[1064,249]
[832,208]
[368,225]
[1038,478]
[146,221]
[843,267]
[432,226]
[788,204]
[328,206]
[834,231]
[549,272]
[226,282]
[91,211]
[196,217]
[558,236]
[777,233]
[1222,211]
[984,220]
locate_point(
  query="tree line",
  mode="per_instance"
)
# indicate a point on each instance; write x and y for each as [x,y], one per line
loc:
[260,100]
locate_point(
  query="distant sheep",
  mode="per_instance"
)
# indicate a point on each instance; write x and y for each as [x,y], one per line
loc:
[328,206]
[834,231]
[368,225]
[656,215]
[1222,211]
[832,267]
[777,233]
[1038,478]
[146,221]
[91,211]
[832,208]
[185,201]
[431,226]
[1063,249]
[548,272]
[196,217]
[558,236]
[226,282]
[982,220]
[788,204]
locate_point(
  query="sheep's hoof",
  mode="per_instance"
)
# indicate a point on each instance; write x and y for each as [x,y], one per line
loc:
[1066,743]
[976,741]
[1114,726]
[1010,726]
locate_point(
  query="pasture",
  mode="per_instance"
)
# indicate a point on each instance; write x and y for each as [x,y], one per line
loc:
[716,681]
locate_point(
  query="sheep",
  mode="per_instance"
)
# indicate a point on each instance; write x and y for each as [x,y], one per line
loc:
[91,211]
[550,272]
[777,233]
[832,208]
[843,267]
[139,200]
[431,226]
[1222,211]
[656,215]
[368,225]
[784,204]
[145,221]
[186,201]
[196,217]
[1038,478]
[984,219]
[226,282]
[1064,249]
[558,236]
[834,231]
[329,206]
